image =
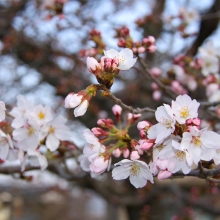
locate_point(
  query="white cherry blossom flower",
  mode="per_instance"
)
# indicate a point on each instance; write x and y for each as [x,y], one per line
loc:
[210,64]
[175,159]
[189,16]
[137,171]
[125,57]
[184,108]
[201,144]
[209,50]
[166,125]
[27,136]
[41,114]
[55,131]
[21,112]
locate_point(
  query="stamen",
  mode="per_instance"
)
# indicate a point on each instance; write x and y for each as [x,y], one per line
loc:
[135,169]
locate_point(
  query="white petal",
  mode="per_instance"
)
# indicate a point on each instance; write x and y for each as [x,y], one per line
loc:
[52,142]
[119,173]
[138,181]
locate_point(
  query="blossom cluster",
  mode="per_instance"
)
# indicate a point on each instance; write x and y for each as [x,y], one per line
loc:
[34,131]
[175,143]
[105,71]
[179,142]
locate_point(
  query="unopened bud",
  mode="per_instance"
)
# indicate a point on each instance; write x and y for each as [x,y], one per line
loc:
[134,155]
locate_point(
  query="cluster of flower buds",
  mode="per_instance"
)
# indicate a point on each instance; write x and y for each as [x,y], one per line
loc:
[125,40]
[110,65]
[80,100]
[96,156]
[183,73]
[34,130]
[96,37]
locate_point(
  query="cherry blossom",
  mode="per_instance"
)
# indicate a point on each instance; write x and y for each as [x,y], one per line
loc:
[184,108]
[125,57]
[137,171]
[201,144]
[41,114]
[21,112]
[55,131]
[166,125]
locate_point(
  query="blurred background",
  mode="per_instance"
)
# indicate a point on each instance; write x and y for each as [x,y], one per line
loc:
[40,44]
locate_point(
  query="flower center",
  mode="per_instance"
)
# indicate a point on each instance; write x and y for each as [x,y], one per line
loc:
[184,112]
[51,130]
[41,115]
[135,169]
[196,141]
[180,155]
[121,59]
[166,122]
[160,147]
[30,131]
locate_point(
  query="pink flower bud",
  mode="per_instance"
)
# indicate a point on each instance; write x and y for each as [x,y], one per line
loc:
[116,152]
[155,71]
[146,144]
[92,64]
[99,132]
[162,164]
[99,165]
[81,109]
[156,95]
[134,155]
[126,153]
[141,50]
[189,121]
[121,42]
[145,40]
[196,121]
[117,110]
[151,39]
[105,122]
[154,86]
[143,125]
[164,175]
[142,133]
[152,49]
[135,50]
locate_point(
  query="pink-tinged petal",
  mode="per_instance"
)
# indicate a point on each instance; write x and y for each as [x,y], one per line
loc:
[32,142]
[52,142]
[119,173]
[164,175]
[12,155]
[138,181]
